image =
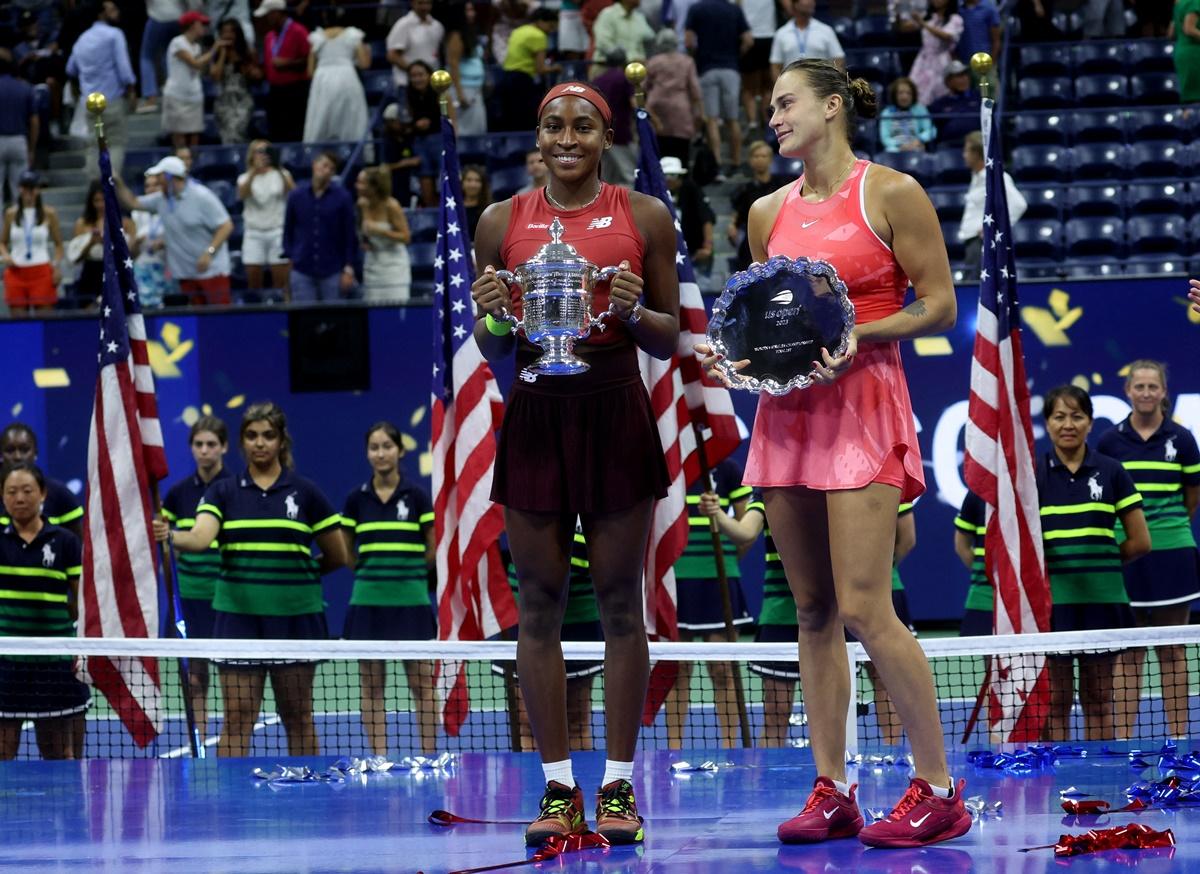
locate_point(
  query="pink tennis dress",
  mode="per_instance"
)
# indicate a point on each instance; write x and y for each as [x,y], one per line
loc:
[860,429]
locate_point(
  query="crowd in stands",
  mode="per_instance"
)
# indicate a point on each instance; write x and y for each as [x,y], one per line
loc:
[319,91]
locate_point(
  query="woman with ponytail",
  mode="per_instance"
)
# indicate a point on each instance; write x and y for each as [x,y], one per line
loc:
[834,462]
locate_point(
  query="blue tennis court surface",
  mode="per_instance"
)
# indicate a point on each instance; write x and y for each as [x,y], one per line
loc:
[182,815]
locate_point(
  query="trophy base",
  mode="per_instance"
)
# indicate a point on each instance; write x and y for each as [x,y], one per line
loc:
[559,358]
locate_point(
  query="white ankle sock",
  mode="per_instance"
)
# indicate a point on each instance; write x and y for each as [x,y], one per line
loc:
[617,771]
[559,772]
[841,787]
[943,793]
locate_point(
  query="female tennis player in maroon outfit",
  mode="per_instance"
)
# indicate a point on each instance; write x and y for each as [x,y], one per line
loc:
[583,445]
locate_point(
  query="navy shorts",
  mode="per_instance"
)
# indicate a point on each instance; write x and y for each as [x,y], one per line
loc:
[900,605]
[1163,578]
[41,690]
[247,626]
[389,623]
[789,671]
[200,616]
[576,670]
[428,148]
[699,605]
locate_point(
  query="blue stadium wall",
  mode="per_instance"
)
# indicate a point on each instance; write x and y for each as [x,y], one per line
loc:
[1085,332]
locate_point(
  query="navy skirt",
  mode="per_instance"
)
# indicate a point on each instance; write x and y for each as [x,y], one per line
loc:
[1163,578]
[1090,617]
[247,626]
[576,670]
[699,605]
[200,617]
[976,623]
[390,623]
[41,690]
[789,671]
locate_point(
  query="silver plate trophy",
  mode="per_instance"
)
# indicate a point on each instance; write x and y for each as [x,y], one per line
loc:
[556,294]
[779,315]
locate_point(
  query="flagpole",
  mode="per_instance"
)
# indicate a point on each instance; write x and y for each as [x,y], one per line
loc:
[635,73]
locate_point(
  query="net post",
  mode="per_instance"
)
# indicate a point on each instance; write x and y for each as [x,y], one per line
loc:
[852,710]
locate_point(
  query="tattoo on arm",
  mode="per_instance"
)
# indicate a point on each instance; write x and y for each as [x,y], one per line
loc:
[916,309]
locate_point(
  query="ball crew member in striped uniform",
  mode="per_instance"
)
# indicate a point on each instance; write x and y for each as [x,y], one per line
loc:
[266,521]
[389,525]
[197,575]
[39,596]
[1164,462]
[1082,495]
[970,529]
[61,507]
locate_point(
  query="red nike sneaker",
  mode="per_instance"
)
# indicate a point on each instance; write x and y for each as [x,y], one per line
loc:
[827,814]
[920,818]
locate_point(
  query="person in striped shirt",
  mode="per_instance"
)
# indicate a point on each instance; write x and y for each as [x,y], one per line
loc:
[40,566]
[197,574]
[1163,459]
[777,618]
[265,521]
[389,529]
[701,613]
[1082,495]
[970,528]
[18,442]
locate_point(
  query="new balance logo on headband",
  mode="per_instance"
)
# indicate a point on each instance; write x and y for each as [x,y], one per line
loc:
[575,89]
[600,223]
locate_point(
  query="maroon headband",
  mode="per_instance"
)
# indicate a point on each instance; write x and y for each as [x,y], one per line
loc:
[582,91]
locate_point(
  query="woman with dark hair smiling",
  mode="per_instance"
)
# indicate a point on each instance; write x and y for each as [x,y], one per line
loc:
[583,445]
[835,461]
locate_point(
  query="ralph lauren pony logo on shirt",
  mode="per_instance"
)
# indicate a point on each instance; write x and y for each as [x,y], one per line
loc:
[1170,453]
[293,509]
[401,510]
[48,555]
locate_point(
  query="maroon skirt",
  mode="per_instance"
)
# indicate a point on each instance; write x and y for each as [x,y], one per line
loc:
[597,452]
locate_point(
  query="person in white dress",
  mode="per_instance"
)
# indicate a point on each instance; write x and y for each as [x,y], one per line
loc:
[387,273]
[263,191]
[337,103]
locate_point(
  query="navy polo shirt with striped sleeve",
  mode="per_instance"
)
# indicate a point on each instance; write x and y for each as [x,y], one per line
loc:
[697,561]
[266,541]
[972,520]
[1079,518]
[35,584]
[198,571]
[389,538]
[61,507]
[1161,466]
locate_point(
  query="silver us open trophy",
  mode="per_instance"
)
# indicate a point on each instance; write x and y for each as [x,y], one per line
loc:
[556,294]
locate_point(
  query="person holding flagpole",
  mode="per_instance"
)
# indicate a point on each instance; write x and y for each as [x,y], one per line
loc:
[584,445]
[834,462]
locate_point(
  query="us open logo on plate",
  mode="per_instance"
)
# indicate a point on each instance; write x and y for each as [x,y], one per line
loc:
[783,298]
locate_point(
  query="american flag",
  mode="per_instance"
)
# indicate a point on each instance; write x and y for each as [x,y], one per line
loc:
[1000,466]
[474,598]
[680,394]
[125,459]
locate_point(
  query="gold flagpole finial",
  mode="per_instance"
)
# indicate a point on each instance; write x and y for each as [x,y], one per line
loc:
[635,72]
[440,81]
[96,104]
[982,66]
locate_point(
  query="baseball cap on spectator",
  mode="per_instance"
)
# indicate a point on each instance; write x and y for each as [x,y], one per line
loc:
[189,18]
[29,179]
[270,6]
[672,166]
[170,165]
[954,68]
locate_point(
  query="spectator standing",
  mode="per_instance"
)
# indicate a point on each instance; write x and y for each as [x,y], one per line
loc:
[755,66]
[19,126]
[981,29]
[524,62]
[1103,19]
[162,26]
[398,154]
[465,52]
[956,113]
[940,32]
[196,227]
[1186,25]
[620,26]
[477,194]
[762,182]
[673,96]
[39,58]
[150,265]
[573,36]
[620,161]
[970,229]
[30,248]
[285,63]
[904,124]
[263,190]
[804,37]
[416,36]
[535,169]
[183,93]
[234,68]
[1036,20]
[86,247]
[717,34]
[387,273]
[319,236]
[511,14]
[237,11]
[337,103]
[100,62]
[696,217]
[425,116]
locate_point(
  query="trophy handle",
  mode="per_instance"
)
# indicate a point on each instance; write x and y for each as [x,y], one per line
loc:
[509,278]
[604,275]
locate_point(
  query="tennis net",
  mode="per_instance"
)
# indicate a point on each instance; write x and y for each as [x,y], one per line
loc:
[351,698]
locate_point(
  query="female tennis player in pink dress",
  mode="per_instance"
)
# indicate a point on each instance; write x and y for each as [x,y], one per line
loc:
[835,461]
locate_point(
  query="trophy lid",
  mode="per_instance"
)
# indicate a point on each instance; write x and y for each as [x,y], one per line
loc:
[558,252]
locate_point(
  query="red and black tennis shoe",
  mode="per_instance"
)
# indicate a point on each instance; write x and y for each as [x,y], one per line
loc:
[827,815]
[561,814]
[617,817]
[920,819]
